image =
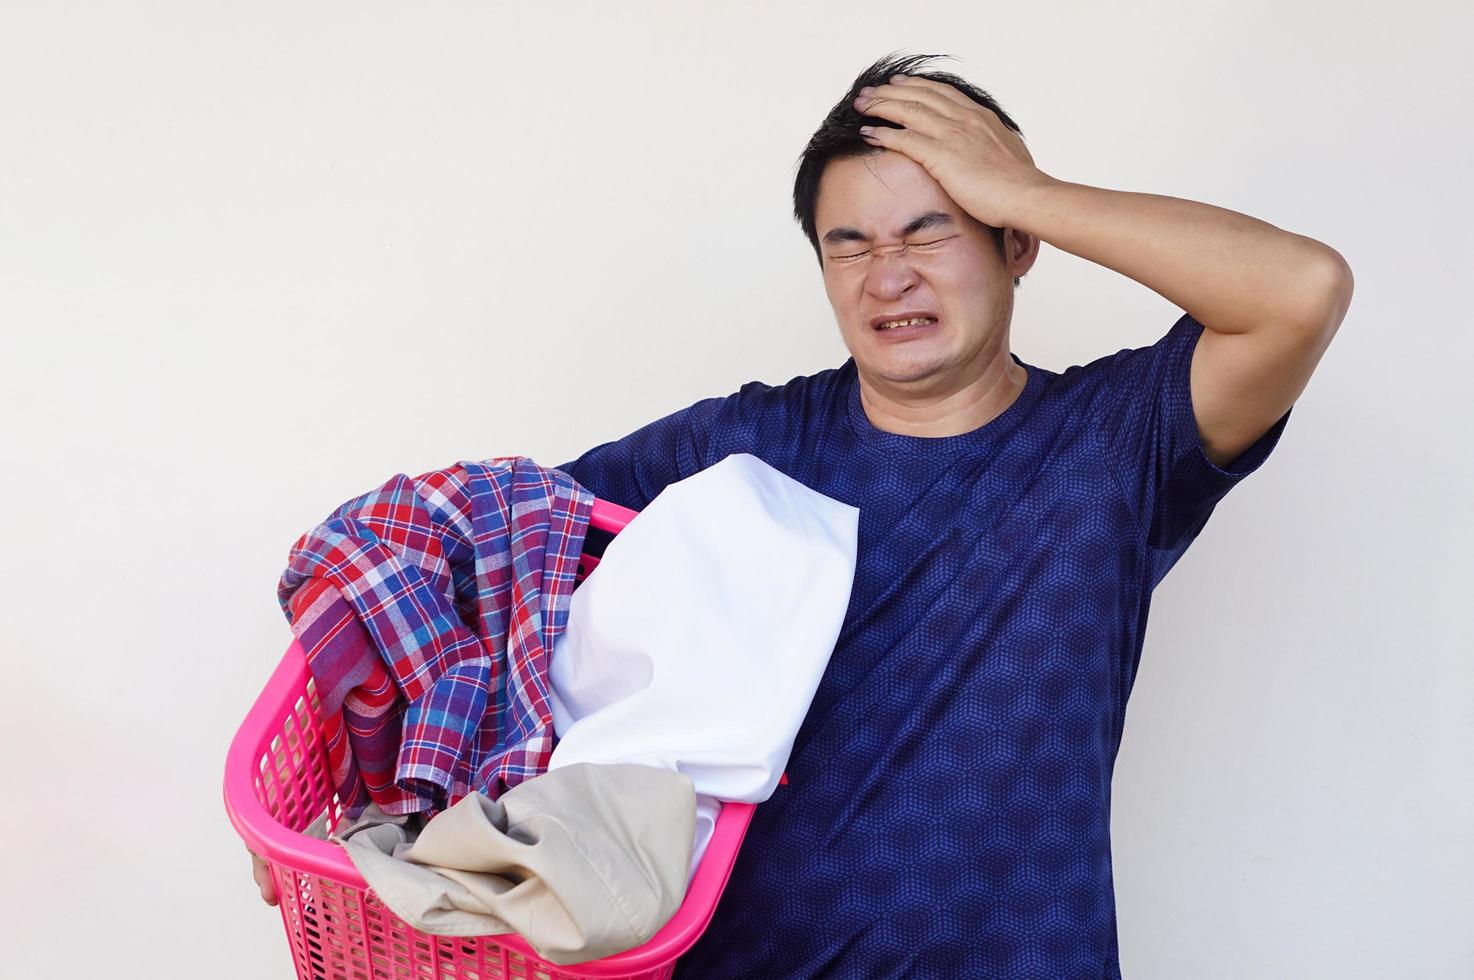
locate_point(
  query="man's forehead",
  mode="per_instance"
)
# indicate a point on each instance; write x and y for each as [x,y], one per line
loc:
[885,194]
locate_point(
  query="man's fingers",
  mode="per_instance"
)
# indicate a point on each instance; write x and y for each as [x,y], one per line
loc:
[911,100]
[261,871]
[885,136]
[911,113]
[941,88]
[938,97]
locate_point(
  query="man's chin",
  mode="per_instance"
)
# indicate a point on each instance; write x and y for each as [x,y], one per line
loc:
[908,371]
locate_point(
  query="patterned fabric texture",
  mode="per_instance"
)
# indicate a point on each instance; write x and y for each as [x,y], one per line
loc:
[428,609]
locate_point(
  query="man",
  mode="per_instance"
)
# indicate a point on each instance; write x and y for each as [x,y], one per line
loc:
[948,806]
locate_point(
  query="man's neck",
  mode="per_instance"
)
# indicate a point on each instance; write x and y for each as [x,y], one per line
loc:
[946,411]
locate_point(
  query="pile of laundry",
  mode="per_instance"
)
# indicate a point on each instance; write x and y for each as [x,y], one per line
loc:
[516,754]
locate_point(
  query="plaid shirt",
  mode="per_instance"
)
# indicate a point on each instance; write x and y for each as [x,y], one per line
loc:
[428,610]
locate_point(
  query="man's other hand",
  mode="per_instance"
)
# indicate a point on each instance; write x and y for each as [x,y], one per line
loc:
[261,871]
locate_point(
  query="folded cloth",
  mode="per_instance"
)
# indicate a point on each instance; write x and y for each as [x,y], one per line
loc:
[698,641]
[427,609]
[582,862]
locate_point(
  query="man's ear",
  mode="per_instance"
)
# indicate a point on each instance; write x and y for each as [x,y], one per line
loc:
[1020,249]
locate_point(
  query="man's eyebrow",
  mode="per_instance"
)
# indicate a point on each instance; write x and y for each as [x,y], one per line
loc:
[931,219]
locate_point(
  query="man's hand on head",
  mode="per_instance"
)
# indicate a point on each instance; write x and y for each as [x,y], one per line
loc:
[981,163]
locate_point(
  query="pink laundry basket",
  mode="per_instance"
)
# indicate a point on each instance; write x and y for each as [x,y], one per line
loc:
[277,782]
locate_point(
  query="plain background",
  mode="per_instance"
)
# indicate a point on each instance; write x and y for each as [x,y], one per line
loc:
[256,258]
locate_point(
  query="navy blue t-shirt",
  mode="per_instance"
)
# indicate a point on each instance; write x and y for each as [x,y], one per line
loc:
[948,806]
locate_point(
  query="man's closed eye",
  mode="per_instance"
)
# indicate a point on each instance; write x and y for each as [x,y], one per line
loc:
[930,244]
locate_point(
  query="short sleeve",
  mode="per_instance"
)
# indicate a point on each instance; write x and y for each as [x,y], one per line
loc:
[1142,410]
[632,471]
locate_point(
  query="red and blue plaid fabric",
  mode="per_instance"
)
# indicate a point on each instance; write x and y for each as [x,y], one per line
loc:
[428,609]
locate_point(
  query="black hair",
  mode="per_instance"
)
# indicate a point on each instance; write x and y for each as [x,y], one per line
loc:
[838,136]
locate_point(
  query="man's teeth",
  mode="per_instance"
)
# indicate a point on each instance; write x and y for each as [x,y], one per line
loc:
[891,324]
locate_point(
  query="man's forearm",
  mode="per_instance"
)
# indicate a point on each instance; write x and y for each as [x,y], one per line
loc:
[1231,272]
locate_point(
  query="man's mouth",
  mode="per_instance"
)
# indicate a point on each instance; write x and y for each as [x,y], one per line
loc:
[915,325]
[916,321]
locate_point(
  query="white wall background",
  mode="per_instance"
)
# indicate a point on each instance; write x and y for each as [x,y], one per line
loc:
[256,258]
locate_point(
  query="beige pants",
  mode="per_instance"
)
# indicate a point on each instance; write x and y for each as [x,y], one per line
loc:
[582,861]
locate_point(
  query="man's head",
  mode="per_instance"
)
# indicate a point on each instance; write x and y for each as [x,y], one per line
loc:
[859,204]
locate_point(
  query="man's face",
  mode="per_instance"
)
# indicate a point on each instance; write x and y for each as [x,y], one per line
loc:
[951,270]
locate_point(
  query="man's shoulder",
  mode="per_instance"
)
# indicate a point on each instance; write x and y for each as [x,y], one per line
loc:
[799,392]
[1128,365]
[1086,375]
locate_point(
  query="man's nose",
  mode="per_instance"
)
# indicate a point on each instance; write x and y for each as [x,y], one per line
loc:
[891,272]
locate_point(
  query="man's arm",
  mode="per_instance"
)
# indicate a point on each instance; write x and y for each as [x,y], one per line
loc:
[1269,300]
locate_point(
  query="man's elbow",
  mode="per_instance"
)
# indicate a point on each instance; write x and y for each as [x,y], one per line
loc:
[1328,285]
